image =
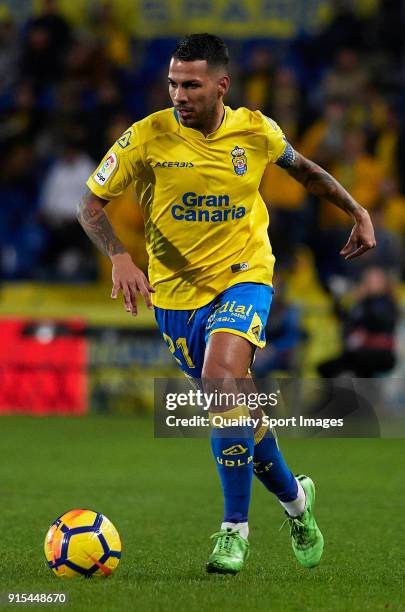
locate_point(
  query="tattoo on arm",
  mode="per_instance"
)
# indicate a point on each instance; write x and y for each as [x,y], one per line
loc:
[93,219]
[317,181]
[287,158]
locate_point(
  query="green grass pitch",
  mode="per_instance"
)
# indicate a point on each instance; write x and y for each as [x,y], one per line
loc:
[164,497]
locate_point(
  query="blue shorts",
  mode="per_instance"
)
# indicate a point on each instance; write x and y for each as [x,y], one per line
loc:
[242,309]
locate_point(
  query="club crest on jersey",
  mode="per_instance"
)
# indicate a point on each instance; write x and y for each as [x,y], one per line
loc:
[239,160]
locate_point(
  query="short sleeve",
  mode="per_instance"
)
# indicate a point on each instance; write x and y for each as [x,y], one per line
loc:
[277,142]
[119,168]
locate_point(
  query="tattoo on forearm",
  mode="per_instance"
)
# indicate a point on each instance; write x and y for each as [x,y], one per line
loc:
[95,223]
[319,182]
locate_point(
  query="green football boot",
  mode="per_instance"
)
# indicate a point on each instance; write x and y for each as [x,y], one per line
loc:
[229,554]
[306,537]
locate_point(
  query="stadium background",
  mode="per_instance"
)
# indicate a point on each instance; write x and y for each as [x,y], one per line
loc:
[73,76]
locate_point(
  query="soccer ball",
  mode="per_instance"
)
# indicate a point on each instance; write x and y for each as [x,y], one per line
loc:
[82,543]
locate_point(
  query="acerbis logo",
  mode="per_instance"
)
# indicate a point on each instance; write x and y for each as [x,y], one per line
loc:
[125,139]
[174,164]
[256,331]
[236,449]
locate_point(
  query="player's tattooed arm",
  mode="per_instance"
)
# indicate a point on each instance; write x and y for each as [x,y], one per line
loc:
[94,221]
[126,276]
[319,182]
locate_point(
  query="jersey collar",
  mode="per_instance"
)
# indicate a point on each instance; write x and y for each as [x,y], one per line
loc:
[192,133]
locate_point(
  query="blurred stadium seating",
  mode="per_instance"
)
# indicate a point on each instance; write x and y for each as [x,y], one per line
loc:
[74,75]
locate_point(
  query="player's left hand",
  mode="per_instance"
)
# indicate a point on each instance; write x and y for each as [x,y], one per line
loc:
[361,238]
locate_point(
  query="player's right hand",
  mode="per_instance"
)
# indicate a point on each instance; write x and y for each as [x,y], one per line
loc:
[129,279]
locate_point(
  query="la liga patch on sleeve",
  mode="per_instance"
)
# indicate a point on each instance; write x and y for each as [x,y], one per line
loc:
[106,169]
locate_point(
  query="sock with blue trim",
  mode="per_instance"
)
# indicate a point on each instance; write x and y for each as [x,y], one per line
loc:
[272,470]
[233,452]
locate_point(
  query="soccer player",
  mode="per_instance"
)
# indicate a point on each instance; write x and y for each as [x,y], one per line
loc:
[196,169]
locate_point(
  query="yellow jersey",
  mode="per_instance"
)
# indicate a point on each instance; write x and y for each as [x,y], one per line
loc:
[205,221]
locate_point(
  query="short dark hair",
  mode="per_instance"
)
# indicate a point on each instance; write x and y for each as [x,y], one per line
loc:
[202,47]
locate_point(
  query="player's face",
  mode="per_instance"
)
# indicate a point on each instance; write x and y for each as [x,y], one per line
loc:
[196,91]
